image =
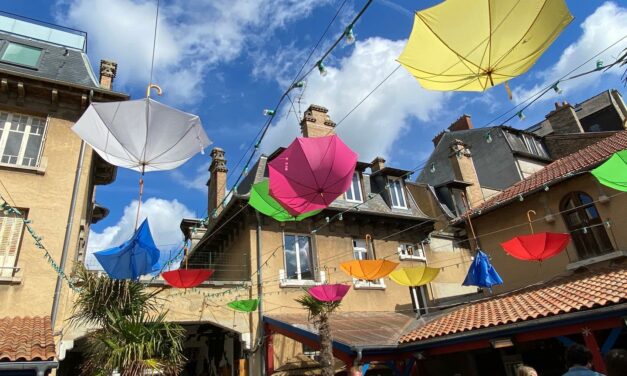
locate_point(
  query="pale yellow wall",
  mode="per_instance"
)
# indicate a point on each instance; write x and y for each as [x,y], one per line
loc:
[528,167]
[504,223]
[453,261]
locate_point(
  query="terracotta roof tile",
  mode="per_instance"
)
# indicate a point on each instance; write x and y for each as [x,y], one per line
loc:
[581,160]
[573,293]
[26,339]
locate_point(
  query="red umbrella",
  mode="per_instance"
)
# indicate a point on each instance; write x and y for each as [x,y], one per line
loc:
[186,278]
[311,173]
[536,247]
[329,293]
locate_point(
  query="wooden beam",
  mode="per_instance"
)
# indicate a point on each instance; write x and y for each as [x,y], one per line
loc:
[593,346]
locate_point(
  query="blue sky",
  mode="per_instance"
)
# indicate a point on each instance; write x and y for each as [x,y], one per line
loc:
[227,60]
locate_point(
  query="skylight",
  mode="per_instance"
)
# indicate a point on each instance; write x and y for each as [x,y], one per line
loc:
[21,54]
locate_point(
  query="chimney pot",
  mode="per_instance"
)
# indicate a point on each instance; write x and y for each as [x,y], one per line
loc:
[217,181]
[108,70]
[462,124]
[564,119]
[377,164]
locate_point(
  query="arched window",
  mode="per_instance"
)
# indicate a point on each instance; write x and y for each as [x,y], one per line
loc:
[585,225]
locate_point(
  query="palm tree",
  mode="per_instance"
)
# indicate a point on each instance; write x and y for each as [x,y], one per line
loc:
[319,312]
[132,338]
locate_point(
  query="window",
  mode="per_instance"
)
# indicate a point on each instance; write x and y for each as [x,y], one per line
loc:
[10,235]
[21,54]
[408,251]
[418,299]
[298,258]
[21,138]
[361,252]
[585,225]
[397,194]
[354,191]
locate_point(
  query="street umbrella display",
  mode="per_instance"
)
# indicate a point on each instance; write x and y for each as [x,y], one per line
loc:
[536,247]
[613,173]
[261,200]
[472,45]
[369,270]
[481,272]
[329,293]
[414,276]
[311,173]
[186,278]
[247,305]
[135,257]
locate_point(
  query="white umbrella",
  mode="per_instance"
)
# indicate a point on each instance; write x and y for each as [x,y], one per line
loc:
[143,134]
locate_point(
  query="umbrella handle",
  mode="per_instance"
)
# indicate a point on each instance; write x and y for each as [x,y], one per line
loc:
[529,218]
[153,86]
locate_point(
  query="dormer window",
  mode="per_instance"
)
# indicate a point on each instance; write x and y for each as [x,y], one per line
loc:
[397,193]
[353,193]
[21,54]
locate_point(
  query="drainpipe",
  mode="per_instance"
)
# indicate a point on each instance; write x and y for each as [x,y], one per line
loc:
[68,235]
[262,346]
[357,360]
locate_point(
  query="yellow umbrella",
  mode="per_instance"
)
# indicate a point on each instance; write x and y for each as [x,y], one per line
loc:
[472,45]
[414,276]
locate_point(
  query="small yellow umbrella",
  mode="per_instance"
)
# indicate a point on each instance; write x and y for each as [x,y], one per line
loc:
[414,276]
[472,45]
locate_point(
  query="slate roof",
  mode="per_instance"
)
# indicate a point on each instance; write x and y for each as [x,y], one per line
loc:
[57,63]
[578,162]
[574,293]
[26,339]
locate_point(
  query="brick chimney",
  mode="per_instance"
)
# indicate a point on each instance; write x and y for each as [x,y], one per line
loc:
[316,122]
[108,70]
[462,124]
[377,164]
[564,119]
[217,180]
[464,169]
[438,137]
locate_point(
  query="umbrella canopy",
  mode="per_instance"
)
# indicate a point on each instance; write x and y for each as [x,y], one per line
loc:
[329,293]
[481,272]
[536,247]
[613,173]
[472,45]
[261,200]
[247,305]
[186,278]
[302,365]
[414,276]
[368,269]
[142,135]
[135,257]
[311,173]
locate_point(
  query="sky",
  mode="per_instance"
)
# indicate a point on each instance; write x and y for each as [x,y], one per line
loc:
[228,60]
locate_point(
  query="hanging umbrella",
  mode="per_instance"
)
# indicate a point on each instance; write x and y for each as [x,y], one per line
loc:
[472,45]
[135,257]
[368,269]
[414,276]
[329,293]
[247,305]
[311,173]
[536,247]
[186,278]
[261,200]
[481,272]
[613,173]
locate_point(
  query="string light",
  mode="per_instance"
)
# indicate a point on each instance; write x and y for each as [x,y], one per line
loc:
[299,85]
[488,137]
[268,112]
[322,69]
[557,89]
[432,169]
[599,64]
[521,115]
[349,34]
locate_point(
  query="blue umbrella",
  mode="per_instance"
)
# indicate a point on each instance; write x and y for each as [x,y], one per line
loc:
[135,257]
[481,273]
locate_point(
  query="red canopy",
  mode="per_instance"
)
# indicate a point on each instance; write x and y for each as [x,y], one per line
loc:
[186,278]
[536,247]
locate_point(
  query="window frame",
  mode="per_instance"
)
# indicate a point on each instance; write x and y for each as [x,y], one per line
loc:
[20,237]
[26,135]
[362,283]
[283,273]
[419,247]
[352,190]
[8,43]
[401,186]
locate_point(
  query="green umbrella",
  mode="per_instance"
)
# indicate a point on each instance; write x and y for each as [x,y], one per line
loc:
[261,200]
[244,305]
[613,173]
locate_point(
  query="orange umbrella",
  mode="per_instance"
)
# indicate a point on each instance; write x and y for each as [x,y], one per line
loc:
[368,269]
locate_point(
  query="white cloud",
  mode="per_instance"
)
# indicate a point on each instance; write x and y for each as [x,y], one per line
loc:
[198,181]
[374,127]
[164,217]
[193,37]
[599,30]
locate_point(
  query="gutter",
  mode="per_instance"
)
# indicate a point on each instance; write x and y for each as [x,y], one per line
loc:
[41,367]
[260,324]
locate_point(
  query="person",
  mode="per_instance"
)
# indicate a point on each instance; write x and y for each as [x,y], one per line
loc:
[526,371]
[579,361]
[616,362]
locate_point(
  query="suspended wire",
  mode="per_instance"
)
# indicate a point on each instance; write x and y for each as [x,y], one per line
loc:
[154,43]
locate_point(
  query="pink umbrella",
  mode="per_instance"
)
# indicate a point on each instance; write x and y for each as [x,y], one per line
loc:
[329,293]
[311,173]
